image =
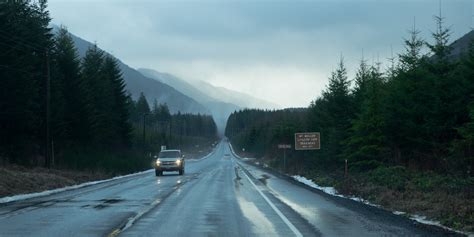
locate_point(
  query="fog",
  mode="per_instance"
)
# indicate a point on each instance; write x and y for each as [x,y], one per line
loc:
[280,51]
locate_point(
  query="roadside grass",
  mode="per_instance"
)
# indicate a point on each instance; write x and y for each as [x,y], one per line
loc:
[21,180]
[447,199]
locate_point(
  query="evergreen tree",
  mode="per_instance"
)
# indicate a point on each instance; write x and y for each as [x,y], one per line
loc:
[405,108]
[119,114]
[68,108]
[142,106]
[367,141]
[25,40]
[332,114]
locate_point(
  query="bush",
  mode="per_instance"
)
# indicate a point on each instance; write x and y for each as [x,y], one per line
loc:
[430,181]
[364,166]
[394,177]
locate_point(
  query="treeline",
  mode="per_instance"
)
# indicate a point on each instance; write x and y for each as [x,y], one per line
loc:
[57,109]
[417,114]
[260,131]
[154,126]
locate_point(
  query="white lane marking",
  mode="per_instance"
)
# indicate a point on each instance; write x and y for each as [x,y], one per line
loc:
[283,217]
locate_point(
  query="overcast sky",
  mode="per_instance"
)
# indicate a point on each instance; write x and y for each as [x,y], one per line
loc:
[281,51]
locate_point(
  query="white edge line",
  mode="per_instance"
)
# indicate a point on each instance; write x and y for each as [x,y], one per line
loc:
[283,217]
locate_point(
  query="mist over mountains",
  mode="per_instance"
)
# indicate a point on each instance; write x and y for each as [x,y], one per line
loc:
[220,101]
[153,89]
[181,95]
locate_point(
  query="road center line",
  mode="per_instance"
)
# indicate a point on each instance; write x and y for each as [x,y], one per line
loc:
[283,217]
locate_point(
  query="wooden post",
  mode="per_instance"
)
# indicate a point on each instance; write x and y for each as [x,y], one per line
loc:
[345,168]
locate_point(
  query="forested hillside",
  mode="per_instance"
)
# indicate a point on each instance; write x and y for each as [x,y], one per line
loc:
[408,129]
[57,109]
[136,83]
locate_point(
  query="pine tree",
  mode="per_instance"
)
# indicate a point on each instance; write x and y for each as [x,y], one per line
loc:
[405,108]
[99,93]
[142,106]
[332,114]
[361,80]
[367,141]
[119,114]
[25,41]
[70,111]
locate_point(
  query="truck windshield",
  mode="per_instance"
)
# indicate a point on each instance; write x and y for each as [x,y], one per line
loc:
[169,154]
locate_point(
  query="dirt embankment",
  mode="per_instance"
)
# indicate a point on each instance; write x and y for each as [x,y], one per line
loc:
[21,180]
[16,180]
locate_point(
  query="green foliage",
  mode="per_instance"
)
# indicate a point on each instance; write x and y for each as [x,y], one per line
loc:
[94,123]
[162,128]
[394,177]
[260,131]
[25,43]
[364,166]
[418,115]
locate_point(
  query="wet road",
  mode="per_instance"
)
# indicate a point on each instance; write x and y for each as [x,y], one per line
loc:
[218,196]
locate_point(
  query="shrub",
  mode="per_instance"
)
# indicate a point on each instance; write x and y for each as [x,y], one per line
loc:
[394,177]
[364,166]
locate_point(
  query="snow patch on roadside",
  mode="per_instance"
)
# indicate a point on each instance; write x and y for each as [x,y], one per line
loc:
[328,190]
[426,221]
[418,218]
[49,192]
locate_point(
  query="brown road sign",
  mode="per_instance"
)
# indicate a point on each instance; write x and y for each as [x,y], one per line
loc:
[307,141]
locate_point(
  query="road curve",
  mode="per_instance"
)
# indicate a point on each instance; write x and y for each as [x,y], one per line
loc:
[218,196]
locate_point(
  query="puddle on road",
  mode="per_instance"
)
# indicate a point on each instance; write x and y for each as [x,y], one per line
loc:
[264,178]
[112,200]
[260,223]
[104,203]
[237,178]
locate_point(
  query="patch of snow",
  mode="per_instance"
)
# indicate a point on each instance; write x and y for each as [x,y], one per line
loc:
[328,190]
[424,220]
[399,213]
[49,192]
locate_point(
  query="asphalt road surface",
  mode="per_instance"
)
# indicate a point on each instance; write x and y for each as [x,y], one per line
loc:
[217,196]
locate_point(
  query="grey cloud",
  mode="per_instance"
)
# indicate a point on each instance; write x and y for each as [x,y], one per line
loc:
[235,38]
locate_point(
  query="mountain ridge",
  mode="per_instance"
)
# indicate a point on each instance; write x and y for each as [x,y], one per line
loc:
[152,89]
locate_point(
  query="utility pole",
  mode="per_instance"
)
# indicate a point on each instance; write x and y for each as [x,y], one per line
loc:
[169,141]
[48,112]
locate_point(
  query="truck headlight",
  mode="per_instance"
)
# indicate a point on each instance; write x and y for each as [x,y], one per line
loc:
[178,162]
[158,162]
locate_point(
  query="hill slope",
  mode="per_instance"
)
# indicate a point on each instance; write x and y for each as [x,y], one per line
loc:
[220,110]
[153,89]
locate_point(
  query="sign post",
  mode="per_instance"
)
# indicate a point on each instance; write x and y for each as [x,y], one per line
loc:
[307,141]
[284,147]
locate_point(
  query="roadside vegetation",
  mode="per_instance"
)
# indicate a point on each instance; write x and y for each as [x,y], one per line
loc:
[407,132]
[60,111]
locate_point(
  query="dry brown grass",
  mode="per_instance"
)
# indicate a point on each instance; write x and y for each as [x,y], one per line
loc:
[453,209]
[21,180]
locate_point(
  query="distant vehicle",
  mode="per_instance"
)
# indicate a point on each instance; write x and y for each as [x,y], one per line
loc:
[227,155]
[169,160]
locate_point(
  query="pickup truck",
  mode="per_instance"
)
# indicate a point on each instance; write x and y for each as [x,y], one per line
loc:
[169,160]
